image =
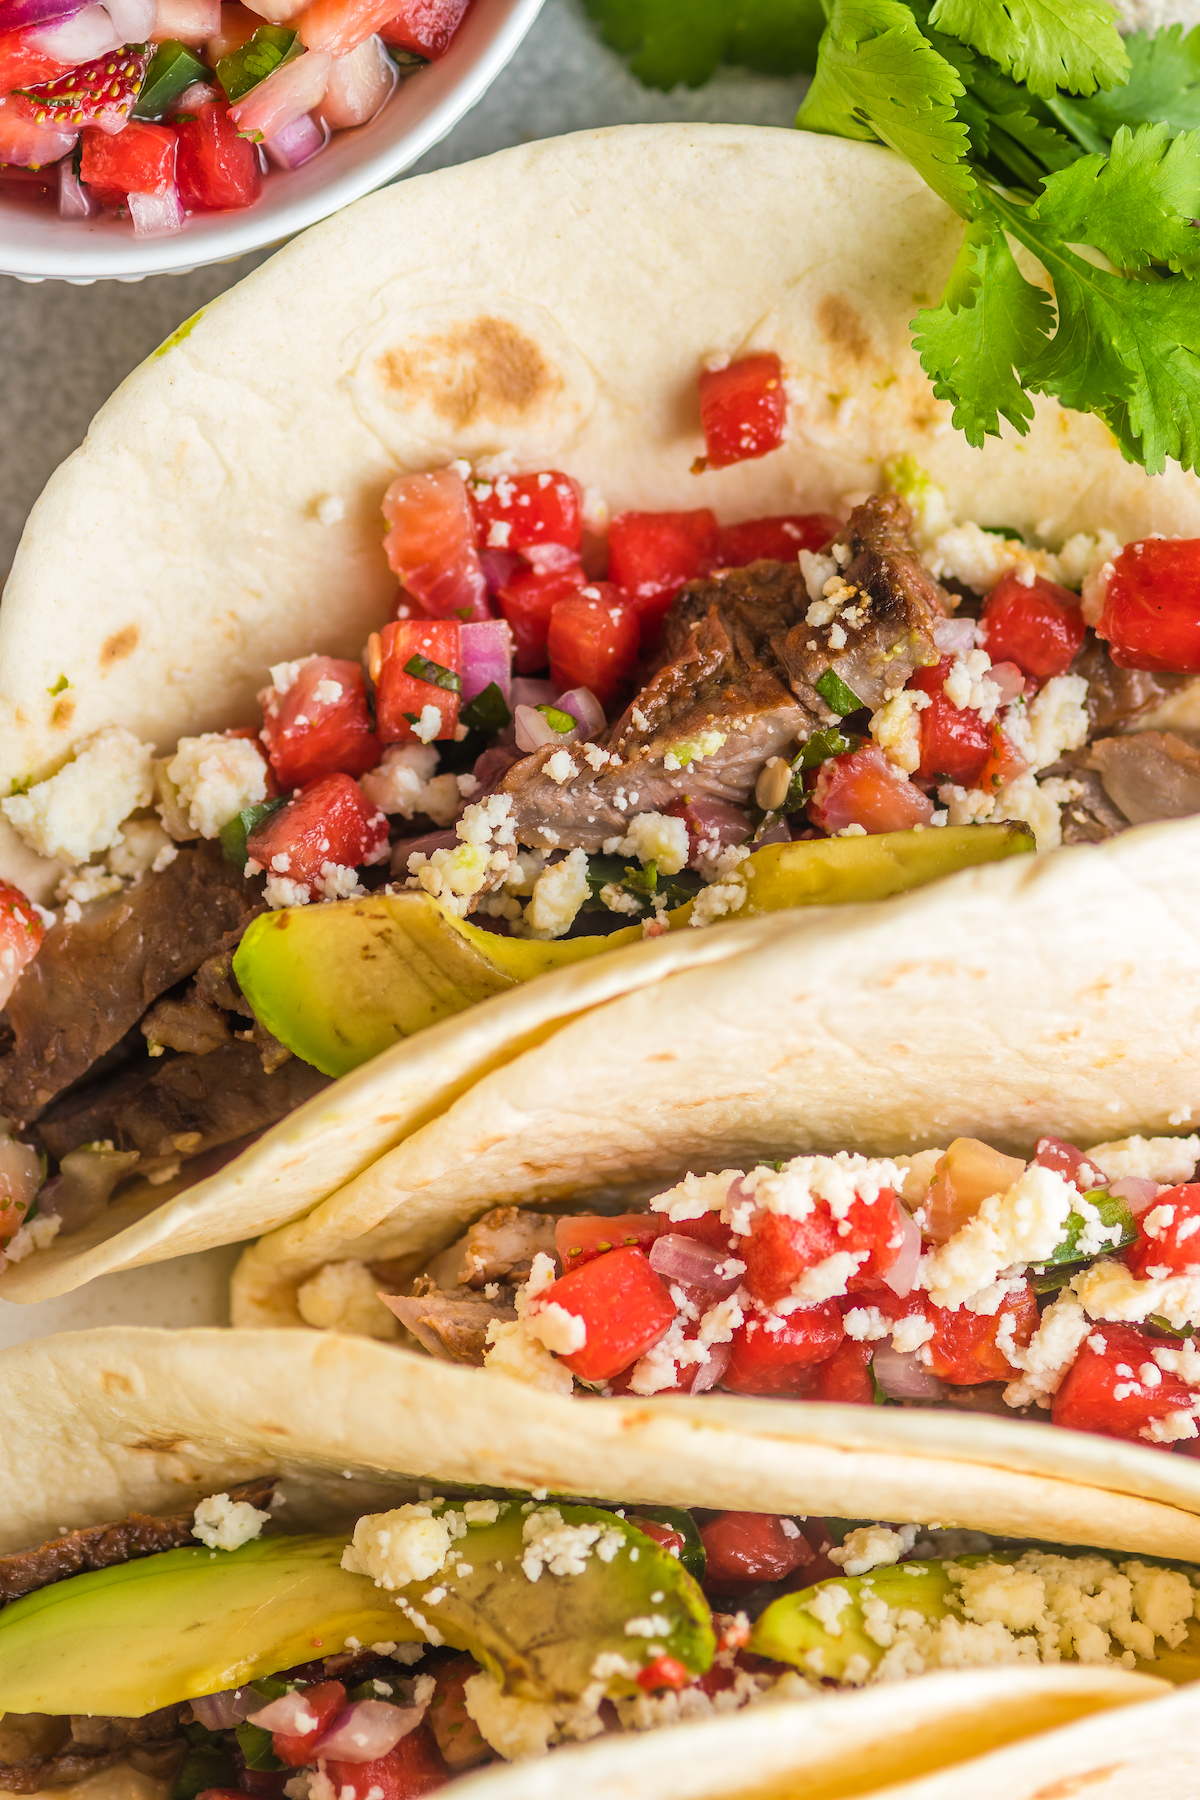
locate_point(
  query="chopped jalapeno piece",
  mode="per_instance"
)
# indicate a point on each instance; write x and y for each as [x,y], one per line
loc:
[243,69]
[173,67]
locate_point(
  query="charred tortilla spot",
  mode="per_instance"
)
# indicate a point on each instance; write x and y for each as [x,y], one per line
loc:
[483,369]
[1075,1784]
[64,711]
[841,326]
[112,1383]
[119,645]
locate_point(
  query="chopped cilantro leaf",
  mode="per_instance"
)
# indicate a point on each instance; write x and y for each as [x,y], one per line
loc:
[836,695]
[1164,84]
[823,744]
[422,669]
[676,43]
[234,834]
[488,712]
[60,686]
[1043,43]
[1137,205]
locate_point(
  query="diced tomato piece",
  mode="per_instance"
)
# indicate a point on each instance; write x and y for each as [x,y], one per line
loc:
[781,1362]
[321,725]
[964,1349]
[744,1549]
[431,544]
[398,692]
[779,538]
[425,26]
[140,159]
[956,745]
[711,824]
[1168,1235]
[586,1236]
[624,1307]
[415,1766]
[455,1731]
[1005,762]
[861,787]
[1055,1153]
[1103,1390]
[664,1672]
[22,64]
[215,167]
[515,512]
[1151,615]
[324,1701]
[846,1376]
[21,934]
[664,1535]
[527,600]
[1040,628]
[593,640]
[779,1249]
[743,409]
[651,555]
[330,822]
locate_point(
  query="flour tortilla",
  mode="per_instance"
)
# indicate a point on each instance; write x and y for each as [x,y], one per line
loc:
[101,1422]
[555,300]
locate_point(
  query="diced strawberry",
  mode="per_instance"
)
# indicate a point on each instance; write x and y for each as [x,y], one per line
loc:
[744,1549]
[779,538]
[743,410]
[415,1766]
[1151,615]
[21,934]
[320,725]
[1168,1235]
[26,144]
[956,745]
[138,160]
[100,93]
[1055,1153]
[516,512]
[593,640]
[431,544]
[780,1249]
[861,787]
[580,1238]
[425,26]
[324,1701]
[782,1362]
[527,600]
[711,824]
[404,646]
[651,555]
[1040,628]
[330,823]
[23,63]
[665,1672]
[965,1349]
[624,1307]
[1105,1389]
[846,1376]
[455,1731]
[217,169]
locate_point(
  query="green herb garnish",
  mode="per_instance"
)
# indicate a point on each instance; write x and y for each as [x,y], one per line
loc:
[557,719]
[60,686]
[235,833]
[488,712]
[244,68]
[422,669]
[836,695]
[680,42]
[254,1742]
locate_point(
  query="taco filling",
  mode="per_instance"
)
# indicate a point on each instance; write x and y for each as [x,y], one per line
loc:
[388,1658]
[735,719]
[964,1278]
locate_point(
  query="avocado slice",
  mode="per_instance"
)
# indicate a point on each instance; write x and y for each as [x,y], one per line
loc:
[145,1634]
[790,1632]
[127,1640]
[339,983]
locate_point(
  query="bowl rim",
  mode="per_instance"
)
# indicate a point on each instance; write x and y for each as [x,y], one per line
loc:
[119,256]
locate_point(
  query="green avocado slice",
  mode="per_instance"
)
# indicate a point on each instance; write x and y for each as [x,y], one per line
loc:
[339,983]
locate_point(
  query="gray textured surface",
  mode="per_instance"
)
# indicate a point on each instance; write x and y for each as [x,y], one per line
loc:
[65,349]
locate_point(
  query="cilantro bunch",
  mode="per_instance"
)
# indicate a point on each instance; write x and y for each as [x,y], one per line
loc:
[680,42]
[1041,128]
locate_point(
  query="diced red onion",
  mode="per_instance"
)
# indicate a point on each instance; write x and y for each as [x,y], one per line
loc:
[186,21]
[134,19]
[491,768]
[156,215]
[903,1272]
[709,1374]
[902,1376]
[527,692]
[217,1712]
[954,637]
[297,143]
[486,657]
[290,89]
[366,1730]
[583,705]
[676,1257]
[1009,679]
[75,201]
[290,1714]
[198,94]
[499,567]
[19,15]
[780,833]
[1136,1191]
[534,730]
[81,38]
[360,85]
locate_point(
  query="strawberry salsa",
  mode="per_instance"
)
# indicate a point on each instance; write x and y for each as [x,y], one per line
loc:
[1068,1286]
[566,1622]
[151,110]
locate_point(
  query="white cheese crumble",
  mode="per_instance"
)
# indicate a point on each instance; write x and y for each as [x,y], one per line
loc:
[827,1606]
[144,848]
[653,837]
[1108,1290]
[873,1547]
[481,858]
[696,1195]
[513,1350]
[80,810]
[559,1330]
[344,1296]
[1168,1160]
[396,1548]
[560,766]
[564,1549]
[558,893]
[1049,1353]
[406,783]
[1024,1225]
[653,1625]
[216,778]
[896,728]
[429,724]
[38,1234]
[516,1728]
[224,1524]
[817,569]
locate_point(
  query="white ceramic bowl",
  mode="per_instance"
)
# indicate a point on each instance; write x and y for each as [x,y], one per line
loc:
[36,245]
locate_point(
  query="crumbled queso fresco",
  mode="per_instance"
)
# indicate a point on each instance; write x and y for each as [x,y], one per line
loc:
[225,1524]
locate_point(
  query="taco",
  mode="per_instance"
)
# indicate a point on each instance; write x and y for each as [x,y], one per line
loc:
[392,1610]
[757,560]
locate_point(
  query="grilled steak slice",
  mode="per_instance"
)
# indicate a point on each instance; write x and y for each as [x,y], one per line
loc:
[452,1326]
[73,1748]
[183,1106]
[99,1732]
[190,1024]
[92,981]
[103,1546]
[1116,697]
[502,1245]
[1149,775]
[719,691]
[1092,817]
[882,628]
[35,1773]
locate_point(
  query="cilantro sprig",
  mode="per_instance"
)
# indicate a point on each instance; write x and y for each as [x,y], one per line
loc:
[674,43]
